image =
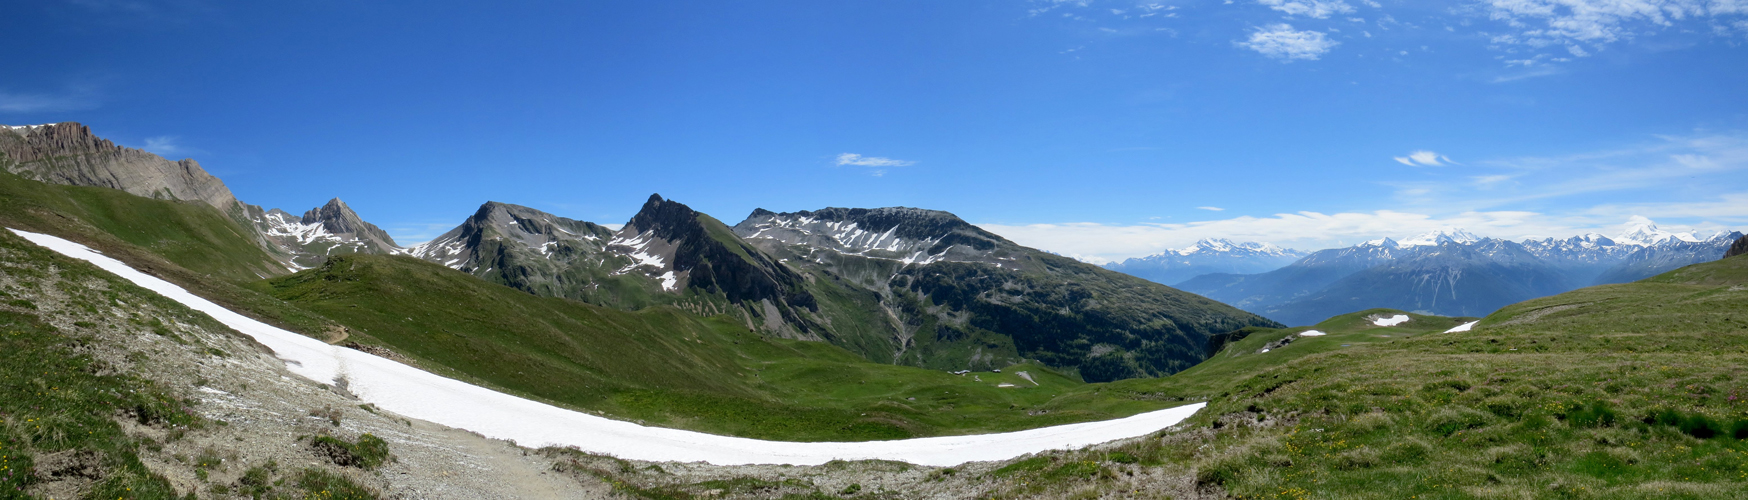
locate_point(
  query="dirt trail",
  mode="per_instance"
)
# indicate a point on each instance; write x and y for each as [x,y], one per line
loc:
[336,334]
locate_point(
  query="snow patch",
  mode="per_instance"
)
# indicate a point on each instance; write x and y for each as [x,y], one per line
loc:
[1312,333]
[1462,328]
[669,282]
[1391,321]
[419,394]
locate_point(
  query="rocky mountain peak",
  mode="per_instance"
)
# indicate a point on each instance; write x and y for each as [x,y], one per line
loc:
[669,219]
[877,227]
[339,219]
[69,153]
[48,140]
[1738,248]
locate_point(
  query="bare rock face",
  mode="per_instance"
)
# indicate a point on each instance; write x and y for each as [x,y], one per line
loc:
[1738,248]
[307,241]
[68,153]
[338,218]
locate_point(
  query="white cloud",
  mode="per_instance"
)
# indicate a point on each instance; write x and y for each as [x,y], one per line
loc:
[1688,182]
[871,161]
[44,103]
[165,146]
[1280,41]
[1319,9]
[1540,23]
[1424,158]
[1211,209]
[1101,243]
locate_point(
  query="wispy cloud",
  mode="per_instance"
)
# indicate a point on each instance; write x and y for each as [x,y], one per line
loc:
[1211,209]
[871,161]
[159,12]
[1573,24]
[168,147]
[1281,41]
[1424,158]
[1318,9]
[11,102]
[1100,243]
[1685,182]
[880,164]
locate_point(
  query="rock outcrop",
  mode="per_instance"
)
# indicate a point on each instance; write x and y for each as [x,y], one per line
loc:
[68,153]
[1738,248]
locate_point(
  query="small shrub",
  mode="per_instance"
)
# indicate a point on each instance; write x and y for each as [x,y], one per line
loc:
[368,453]
[1221,469]
[851,489]
[1028,465]
[1121,457]
[326,485]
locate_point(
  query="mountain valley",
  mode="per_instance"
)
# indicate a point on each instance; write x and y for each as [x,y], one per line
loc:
[844,324]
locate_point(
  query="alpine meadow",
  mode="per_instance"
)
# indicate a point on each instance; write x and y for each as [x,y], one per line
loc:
[1006,249]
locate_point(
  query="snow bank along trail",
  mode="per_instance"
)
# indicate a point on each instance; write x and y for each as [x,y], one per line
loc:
[419,394]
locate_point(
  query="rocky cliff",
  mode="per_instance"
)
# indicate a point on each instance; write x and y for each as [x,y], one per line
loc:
[68,153]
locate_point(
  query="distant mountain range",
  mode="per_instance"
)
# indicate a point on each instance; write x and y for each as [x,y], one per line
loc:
[900,285]
[1207,256]
[1454,273]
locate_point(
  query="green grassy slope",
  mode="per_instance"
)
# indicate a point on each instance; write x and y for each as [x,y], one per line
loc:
[192,235]
[663,366]
[69,417]
[1620,391]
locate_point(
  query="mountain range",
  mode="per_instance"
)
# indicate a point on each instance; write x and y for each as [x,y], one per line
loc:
[896,285]
[1455,273]
[1208,256]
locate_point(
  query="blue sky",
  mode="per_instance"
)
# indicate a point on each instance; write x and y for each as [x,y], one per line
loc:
[1090,128]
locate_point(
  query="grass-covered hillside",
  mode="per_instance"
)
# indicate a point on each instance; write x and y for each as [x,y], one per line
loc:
[1619,391]
[193,235]
[664,366]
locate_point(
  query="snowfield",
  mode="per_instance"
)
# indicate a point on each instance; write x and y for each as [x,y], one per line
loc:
[418,394]
[1463,327]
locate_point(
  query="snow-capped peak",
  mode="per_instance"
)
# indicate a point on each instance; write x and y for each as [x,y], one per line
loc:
[1381,242]
[1641,231]
[1223,245]
[1209,245]
[1441,236]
